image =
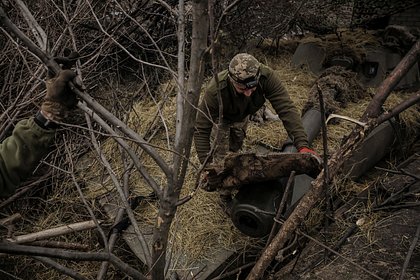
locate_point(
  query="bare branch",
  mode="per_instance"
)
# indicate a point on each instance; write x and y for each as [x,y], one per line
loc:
[36,29]
[123,198]
[413,100]
[374,108]
[16,249]
[410,252]
[149,179]
[121,46]
[82,197]
[60,268]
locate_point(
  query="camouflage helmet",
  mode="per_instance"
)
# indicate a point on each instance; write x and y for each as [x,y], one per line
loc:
[243,66]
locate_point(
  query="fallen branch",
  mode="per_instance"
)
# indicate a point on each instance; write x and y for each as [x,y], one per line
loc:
[336,246]
[241,169]
[22,190]
[374,107]
[60,244]
[53,232]
[16,249]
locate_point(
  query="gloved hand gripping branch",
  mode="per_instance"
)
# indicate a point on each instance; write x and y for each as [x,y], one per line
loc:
[60,98]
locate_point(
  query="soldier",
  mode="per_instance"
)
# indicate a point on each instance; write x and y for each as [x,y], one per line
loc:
[244,87]
[31,138]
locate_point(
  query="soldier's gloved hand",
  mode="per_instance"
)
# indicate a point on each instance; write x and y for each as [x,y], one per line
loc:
[60,98]
[307,150]
[310,151]
[210,182]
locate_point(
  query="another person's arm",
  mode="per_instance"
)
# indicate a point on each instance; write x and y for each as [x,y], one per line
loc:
[21,152]
[30,141]
[286,110]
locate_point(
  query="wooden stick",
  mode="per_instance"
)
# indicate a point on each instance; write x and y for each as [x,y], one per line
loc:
[31,237]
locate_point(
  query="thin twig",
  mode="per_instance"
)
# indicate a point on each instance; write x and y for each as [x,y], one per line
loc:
[410,253]
[405,205]
[336,246]
[123,196]
[399,172]
[233,272]
[338,254]
[60,268]
[281,206]
[120,215]
[328,213]
[82,196]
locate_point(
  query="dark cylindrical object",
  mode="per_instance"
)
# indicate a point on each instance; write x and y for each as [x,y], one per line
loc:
[254,207]
[376,145]
[311,121]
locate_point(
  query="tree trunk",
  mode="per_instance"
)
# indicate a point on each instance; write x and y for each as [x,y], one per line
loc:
[183,140]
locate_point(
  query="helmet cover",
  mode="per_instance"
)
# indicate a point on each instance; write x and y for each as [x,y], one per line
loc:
[243,66]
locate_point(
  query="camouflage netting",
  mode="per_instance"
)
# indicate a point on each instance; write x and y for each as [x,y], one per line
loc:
[338,87]
[353,44]
[245,27]
[365,11]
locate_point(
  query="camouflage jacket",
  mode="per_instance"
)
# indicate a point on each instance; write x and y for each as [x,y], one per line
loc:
[236,107]
[20,154]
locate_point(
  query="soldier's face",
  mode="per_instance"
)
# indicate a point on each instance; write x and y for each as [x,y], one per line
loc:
[242,89]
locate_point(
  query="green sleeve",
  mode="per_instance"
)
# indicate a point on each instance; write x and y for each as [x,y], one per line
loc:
[207,114]
[21,152]
[285,108]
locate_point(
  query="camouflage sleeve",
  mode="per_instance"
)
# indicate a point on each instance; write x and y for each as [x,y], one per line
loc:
[208,111]
[21,152]
[286,110]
